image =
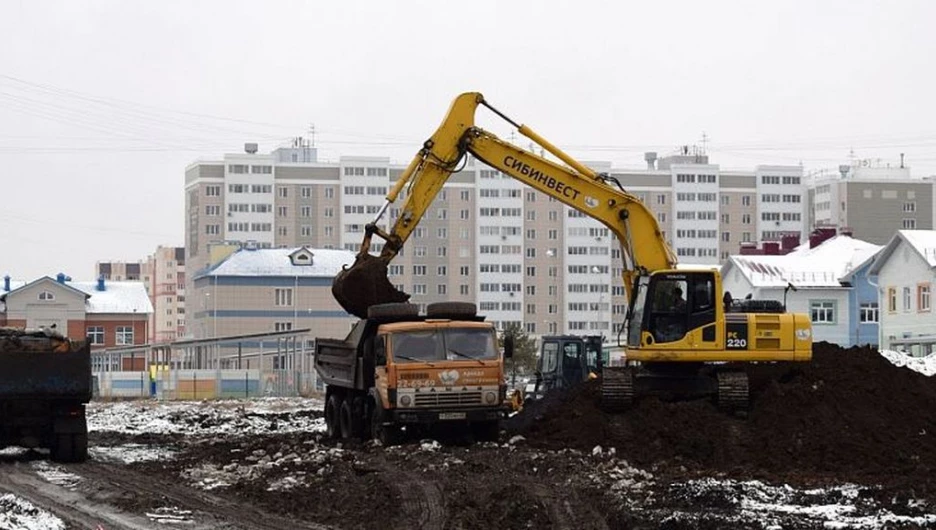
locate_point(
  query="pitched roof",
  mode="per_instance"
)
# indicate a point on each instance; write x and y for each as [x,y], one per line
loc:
[117,297]
[277,262]
[826,265]
[922,241]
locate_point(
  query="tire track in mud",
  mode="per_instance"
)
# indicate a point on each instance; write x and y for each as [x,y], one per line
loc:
[562,506]
[72,507]
[423,501]
[234,513]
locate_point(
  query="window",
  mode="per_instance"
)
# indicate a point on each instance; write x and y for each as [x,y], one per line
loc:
[282,326]
[283,191]
[892,299]
[124,335]
[463,289]
[419,270]
[868,312]
[923,297]
[822,311]
[746,200]
[909,224]
[283,297]
[46,296]
[213,230]
[213,209]
[419,288]
[442,289]
[213,190]
[96,335]
[907,303]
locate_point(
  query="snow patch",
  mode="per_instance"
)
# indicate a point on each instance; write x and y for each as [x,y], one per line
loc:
[56,475]
[20,514]
[132,453]
[208,418]
[170,515]
[924,365]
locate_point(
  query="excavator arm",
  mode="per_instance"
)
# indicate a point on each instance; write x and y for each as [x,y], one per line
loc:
[599,196]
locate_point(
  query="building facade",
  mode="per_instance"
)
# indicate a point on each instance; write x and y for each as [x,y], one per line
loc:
[523,257]
[163,276]
[905,272]
[871,199]
[251,290]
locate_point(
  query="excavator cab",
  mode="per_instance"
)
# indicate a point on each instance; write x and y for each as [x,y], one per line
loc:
[671,305]
[565,361]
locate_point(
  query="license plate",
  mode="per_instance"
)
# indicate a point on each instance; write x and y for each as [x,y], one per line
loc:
[451,415]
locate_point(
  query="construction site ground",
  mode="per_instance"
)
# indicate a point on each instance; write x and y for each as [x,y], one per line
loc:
[846,441]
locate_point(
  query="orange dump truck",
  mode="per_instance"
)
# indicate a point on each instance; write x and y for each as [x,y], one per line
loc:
[45,382]
[400,371]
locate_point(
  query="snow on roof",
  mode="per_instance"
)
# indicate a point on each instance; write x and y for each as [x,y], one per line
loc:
[117,297]
[696,267]
[823,266]
[924,241]
[276,262]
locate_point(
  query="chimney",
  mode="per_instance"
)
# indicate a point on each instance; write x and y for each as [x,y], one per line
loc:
[250,148]
[650,157]
[789,242]
[60,277]
[6,283]
[749,249]
[820,236]
[843,169]
[100,283]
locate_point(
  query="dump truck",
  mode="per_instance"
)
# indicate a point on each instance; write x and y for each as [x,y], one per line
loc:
[45,383]
[398,371]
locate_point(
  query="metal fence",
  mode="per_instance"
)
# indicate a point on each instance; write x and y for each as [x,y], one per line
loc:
[275,364]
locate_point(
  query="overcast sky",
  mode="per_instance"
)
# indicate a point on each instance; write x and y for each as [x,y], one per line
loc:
[104,103]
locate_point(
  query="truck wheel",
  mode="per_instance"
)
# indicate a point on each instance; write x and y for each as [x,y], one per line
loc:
[392,310]
[451,309]
[387,434]
[62,449]
[346,419]
[486,431]
[332,407]
[79,447]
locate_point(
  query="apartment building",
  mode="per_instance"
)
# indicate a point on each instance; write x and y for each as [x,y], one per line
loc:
[872,199]
[524,257]
[163,276]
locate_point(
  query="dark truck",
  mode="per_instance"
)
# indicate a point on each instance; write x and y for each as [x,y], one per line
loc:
[45,382]
[398,368]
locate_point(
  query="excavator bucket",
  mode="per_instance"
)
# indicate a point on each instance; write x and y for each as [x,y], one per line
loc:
[364,284]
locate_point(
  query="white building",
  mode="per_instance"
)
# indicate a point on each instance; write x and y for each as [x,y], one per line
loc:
[818,276]
[905,277]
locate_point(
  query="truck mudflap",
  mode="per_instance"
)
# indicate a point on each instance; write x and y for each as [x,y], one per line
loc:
[43,375]
[441,416]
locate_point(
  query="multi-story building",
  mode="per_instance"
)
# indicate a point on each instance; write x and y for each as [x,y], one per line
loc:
[521,255]
[163,276]
[872,199]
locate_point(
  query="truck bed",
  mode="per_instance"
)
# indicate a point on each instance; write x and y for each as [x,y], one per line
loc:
[46,375]
[336,361]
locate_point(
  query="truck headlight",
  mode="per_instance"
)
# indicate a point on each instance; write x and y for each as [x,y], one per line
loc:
[406,400]
[490,398]
[803,333]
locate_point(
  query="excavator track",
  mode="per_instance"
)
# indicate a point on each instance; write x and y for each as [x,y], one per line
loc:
[733,394]
[617,389]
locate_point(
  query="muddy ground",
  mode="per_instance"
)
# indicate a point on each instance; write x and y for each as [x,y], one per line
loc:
[843,442]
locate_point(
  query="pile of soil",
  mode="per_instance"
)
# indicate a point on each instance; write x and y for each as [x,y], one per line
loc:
[849,414]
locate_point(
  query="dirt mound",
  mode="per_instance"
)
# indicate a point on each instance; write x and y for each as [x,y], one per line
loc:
[849,413]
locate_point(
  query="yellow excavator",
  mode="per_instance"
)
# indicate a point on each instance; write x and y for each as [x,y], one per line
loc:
[684,337]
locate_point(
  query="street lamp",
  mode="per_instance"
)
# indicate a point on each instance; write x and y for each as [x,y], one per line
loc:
[597,270]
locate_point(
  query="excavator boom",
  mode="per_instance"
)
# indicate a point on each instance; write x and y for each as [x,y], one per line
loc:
[365,283]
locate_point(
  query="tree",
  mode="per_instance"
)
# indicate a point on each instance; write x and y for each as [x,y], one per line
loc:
[524,357]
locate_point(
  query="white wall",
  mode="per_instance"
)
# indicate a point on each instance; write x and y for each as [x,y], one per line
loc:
[904,268]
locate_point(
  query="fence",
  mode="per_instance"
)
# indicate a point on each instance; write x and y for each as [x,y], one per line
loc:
[272,364]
